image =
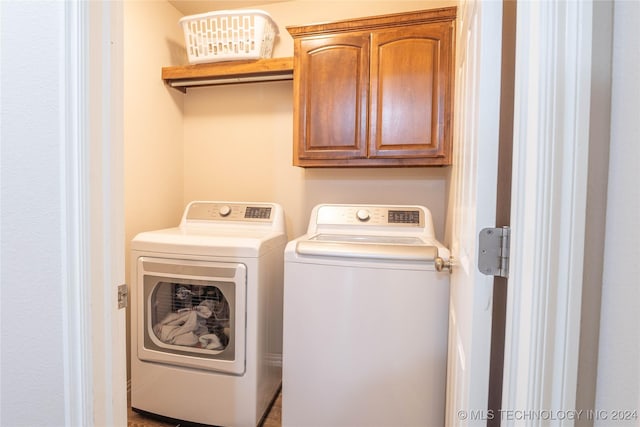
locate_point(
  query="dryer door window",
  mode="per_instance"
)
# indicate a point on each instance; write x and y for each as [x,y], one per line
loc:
[192,313]
[191,317]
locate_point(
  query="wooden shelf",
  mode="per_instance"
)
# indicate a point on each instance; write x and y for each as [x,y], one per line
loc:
[233,72]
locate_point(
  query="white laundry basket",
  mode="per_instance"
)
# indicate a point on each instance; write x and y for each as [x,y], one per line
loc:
[229,35]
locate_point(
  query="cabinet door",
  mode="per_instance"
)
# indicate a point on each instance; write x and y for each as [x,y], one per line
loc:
[331,93]
[411,72]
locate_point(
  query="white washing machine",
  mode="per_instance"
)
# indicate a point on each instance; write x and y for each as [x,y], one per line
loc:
[206,314]
[365,320]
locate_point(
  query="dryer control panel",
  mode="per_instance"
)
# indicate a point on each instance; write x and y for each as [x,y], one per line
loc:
[231,211]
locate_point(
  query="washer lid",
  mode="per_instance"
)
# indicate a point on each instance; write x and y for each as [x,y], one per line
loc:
[358,238]
[375,232]
[368,247]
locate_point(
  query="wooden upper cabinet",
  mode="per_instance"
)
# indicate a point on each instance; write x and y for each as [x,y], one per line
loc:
[374,91]
[332,97]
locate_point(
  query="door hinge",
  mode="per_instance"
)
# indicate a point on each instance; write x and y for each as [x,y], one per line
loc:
[123,296]
[493,251]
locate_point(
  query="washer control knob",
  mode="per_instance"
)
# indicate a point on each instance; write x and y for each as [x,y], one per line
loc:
[363,215]
[225,210]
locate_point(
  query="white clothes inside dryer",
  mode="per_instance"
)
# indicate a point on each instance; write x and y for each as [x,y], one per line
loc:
[198,316]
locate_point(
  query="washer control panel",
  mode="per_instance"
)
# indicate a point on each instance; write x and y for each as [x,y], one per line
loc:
[409,216]
[214,211]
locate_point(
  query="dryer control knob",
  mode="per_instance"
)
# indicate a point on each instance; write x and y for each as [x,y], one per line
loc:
[363,215]
[225,210]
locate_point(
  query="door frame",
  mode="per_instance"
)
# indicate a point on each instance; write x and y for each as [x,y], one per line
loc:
[93,158]
[74,161]
[548,209]
[106,186]
[553,62]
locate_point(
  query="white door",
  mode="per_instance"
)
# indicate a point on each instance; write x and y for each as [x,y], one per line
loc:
[472,206]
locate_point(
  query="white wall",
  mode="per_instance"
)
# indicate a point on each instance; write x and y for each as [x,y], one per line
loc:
[153,159]
[618,383]
[32,269]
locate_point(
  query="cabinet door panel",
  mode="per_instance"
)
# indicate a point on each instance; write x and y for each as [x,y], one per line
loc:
[409,92]
[333,97]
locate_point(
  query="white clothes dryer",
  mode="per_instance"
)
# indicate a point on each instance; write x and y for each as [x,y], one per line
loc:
[206,314]
[365,320]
